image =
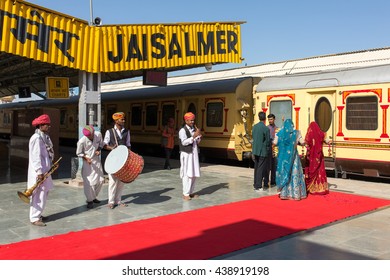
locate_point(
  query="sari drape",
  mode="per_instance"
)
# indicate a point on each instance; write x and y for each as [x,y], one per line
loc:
[315,174]
[289,174]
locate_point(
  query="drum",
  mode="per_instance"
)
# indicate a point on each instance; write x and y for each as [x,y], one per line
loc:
[124,164]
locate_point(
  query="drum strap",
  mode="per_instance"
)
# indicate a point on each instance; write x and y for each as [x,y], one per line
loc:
[116,140]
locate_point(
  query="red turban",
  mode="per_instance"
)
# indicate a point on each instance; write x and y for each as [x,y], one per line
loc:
[42,119]
[189,116]
[88,130]
[118,115]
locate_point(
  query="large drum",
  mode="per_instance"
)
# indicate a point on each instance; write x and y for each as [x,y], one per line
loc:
[124,164]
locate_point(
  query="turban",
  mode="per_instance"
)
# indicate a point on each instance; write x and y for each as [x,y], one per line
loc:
[42,119]
[118,115]
[88,130]
[189,116]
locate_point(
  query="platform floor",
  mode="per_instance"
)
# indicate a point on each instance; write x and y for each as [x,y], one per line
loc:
[157,192]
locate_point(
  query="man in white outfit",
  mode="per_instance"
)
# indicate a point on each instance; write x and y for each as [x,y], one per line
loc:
[118,135]
[189,138]
[40,160]
[88,148]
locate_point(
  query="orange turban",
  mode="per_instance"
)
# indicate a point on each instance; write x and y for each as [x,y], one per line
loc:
[42,119]
[118,115]
[189,116]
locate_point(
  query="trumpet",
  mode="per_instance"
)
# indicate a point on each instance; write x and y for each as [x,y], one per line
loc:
[25,196]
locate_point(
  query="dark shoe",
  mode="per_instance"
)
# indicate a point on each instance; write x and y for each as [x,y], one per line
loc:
[90,205]
[39,223]
[96,200]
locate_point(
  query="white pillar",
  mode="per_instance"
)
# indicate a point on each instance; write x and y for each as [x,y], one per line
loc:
[89,108]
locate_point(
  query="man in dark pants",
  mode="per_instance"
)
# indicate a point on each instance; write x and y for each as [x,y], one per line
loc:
[271,166]
[260,151]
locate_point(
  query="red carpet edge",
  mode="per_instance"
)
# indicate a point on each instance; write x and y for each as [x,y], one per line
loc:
[198,234]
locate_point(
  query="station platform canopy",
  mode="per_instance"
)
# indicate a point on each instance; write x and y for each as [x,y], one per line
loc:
[36,43]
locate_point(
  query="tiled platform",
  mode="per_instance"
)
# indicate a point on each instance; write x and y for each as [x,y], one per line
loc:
[158,192]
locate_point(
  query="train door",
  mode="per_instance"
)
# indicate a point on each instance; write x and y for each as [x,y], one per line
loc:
[324,110]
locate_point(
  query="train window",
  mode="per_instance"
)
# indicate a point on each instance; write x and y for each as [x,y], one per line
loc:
[151,115]
[192,108]
[111,109]
[63,117]
[282,111]
[323,114]
[362,113]
[6,118]
[168,111]
[214,114]
[136,115]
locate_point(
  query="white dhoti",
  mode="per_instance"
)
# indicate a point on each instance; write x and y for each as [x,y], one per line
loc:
[115,189]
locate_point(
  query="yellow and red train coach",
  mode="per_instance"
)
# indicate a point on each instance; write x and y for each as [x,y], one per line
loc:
[350,105]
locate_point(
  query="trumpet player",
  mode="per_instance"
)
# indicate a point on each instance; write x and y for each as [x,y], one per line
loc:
[40,158]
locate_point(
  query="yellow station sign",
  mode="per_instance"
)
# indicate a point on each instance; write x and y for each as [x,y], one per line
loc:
[57,87]
[35,32]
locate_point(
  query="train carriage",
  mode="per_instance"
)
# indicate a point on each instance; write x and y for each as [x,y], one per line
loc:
[218,107]
[222,108]
[350,106]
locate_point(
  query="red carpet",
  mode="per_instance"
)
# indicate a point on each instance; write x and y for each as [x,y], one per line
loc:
[197,234]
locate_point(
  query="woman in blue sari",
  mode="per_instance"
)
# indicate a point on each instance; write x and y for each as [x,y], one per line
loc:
[290,179]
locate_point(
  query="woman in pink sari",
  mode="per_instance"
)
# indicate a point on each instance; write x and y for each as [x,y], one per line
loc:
[315,174]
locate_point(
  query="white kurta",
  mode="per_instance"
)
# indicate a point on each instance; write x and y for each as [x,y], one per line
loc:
[189,162]
[115,186]
[92,174]
[39,162]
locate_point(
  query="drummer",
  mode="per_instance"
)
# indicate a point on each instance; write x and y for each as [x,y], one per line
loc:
[118,135]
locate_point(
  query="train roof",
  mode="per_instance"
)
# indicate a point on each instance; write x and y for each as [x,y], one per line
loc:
[361,58]
[40,103]
[341,77]
[198,88]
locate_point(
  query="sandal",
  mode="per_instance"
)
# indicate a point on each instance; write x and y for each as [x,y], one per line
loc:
[111,206]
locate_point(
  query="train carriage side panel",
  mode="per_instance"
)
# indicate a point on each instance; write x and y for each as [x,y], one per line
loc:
[350,105]
[217,105]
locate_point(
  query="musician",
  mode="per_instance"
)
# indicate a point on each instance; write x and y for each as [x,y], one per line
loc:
[88,148]
[40,158]
[118,135]
[189,138]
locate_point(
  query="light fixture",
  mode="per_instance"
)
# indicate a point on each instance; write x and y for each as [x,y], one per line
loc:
[97,21]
